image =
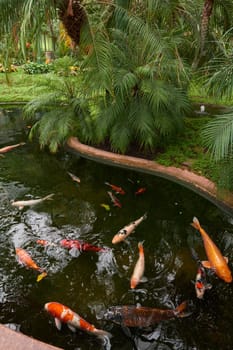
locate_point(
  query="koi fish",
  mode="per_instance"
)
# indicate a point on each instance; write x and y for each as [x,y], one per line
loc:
[25,259]
[114,200]
[105,206]
[30,202]
[127,230]
[139,191]
[72,243]
[141,316]
[115,188]
[216,260]
[139,268]
[63,314]
[82,246]
[200,283]
[9,148]
[74,177]
[44,242]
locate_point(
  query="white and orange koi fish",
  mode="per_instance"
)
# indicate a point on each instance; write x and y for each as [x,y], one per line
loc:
[139,268]
[63,314]
[25,259]
[127,230]
[216,260]
[74,177]
[31,202]
[9,148]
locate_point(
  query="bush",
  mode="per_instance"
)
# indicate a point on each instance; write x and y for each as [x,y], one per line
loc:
[37,68]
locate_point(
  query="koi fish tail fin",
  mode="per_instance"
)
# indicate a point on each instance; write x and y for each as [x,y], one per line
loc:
[145,216]
[107,183]
[196,223]
[41,276]
[180,310]
[49,197]
[140,248]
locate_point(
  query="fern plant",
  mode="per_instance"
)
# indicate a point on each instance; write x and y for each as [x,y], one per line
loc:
[59,114]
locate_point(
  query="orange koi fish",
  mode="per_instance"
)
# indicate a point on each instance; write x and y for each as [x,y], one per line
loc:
[127,230]
[216,260]
[25,259]
[63,314]
[114,200]
[139,268]
[9,148]
[74,177]
[141,190]
[115,188]
[141,316]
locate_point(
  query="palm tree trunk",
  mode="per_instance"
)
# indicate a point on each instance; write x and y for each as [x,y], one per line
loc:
[206,14]
[72,15]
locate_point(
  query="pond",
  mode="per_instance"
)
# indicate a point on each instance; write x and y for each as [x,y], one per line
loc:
[90,282]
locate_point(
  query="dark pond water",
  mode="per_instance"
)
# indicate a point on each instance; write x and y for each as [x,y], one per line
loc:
[91,282]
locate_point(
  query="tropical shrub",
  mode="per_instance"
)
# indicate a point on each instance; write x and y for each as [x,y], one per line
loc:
[37,68]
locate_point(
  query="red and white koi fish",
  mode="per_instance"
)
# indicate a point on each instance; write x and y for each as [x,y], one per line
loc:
[127,230]
[200,283]
[74,177]
[9,148]
[140,190]
[139,268]
[63,314]
[216,260]
[115,188]
[141,316]
[31,202]
[114,200]
[82,246]
[73,243]
[25,259]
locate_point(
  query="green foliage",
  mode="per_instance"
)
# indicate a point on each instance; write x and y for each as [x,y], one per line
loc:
[189,151]
[37,68]
[62,66]
[62,113]
[218,136]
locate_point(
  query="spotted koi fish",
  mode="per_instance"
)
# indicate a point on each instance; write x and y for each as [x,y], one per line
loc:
[127,230]
[63,314]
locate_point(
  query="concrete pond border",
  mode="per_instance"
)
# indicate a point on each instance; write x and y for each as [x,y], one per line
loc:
[184,177]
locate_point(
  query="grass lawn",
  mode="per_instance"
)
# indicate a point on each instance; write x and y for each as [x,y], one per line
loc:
[21,87]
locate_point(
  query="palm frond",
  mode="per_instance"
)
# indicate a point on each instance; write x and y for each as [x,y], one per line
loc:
[218,136]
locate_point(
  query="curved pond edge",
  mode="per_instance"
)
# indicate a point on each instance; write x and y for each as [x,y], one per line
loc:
[184,177]
[13,340]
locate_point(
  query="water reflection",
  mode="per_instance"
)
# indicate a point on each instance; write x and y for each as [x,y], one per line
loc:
[90,282]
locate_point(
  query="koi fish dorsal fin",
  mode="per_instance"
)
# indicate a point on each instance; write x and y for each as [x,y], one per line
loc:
[196,223]
[226,259]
